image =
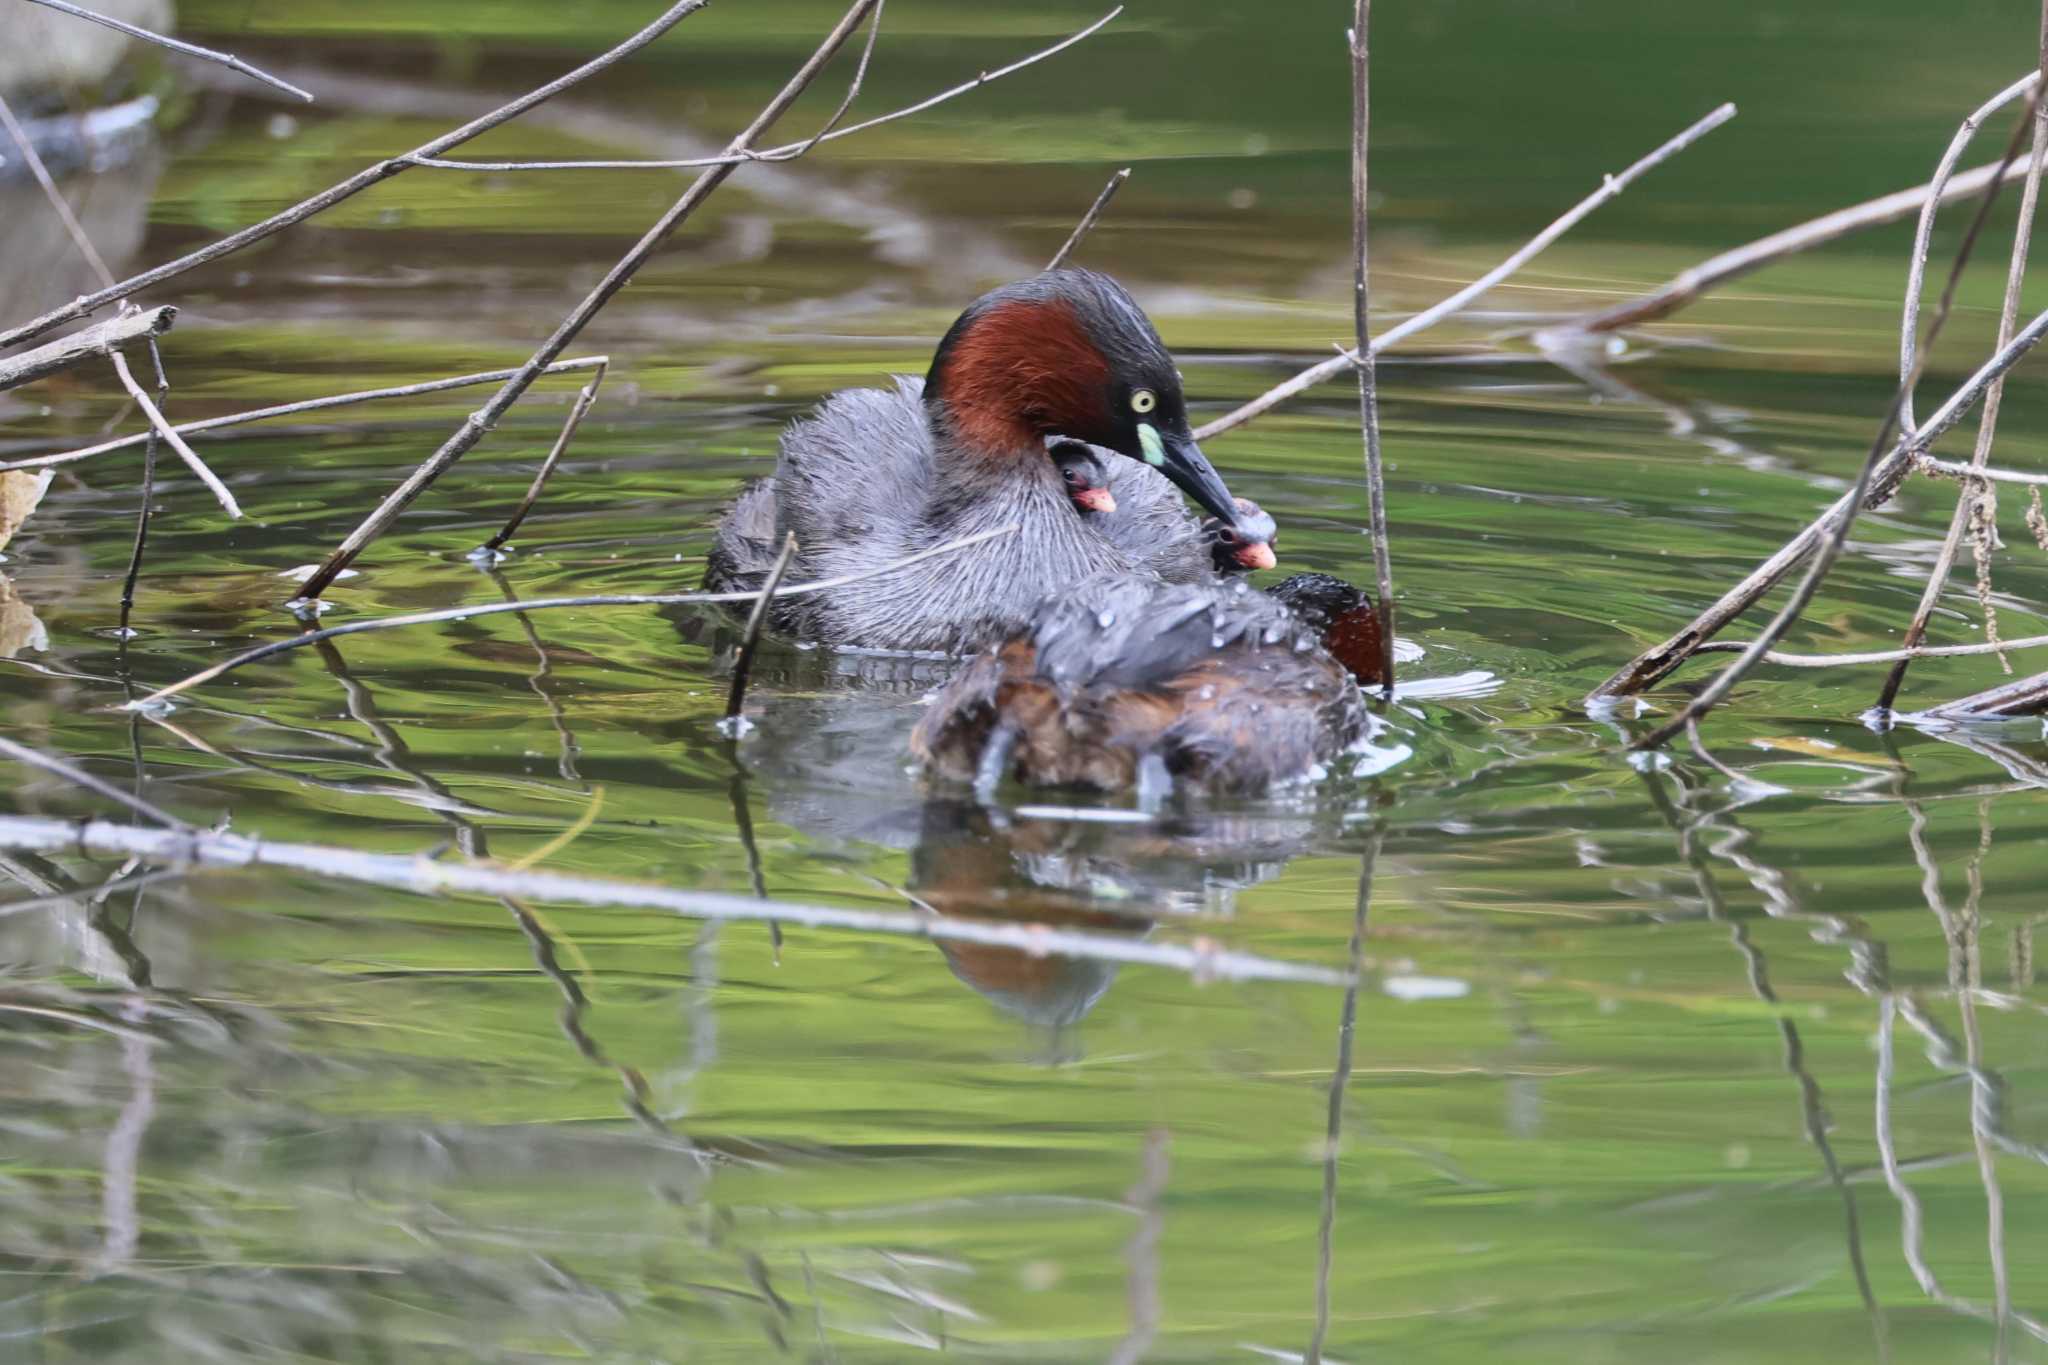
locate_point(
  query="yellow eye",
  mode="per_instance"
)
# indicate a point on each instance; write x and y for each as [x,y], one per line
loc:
[1143,400]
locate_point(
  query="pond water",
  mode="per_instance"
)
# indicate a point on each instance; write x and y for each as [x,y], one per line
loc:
[1645,1062]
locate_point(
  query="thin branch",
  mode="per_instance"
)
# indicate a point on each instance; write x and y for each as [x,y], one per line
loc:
[1088,220]
[355,184]
[177,442]
[860,77]
[1970,494]
[1203,958]
[477,423]
[1878,656]
[649,599]
[584,398]
[142,514]
[1953,469]
[1923,232]
[1830,550]
[2023,697]
[1653,665]
[79,777]
[788,151]
[1693,283]
[1340,1080]
[1141,1253]
[743,665]
[1329,369]
[226,59]
[1368,386]
[102,338]
[72,226]
[235,419]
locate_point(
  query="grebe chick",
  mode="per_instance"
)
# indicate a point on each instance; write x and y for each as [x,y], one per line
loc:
[1246,546]
[1086,478]
[873,477]
[1128,681]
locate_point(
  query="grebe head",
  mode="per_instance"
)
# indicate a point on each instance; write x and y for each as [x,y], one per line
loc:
[1067,353]
[1087,481]
[1246,546]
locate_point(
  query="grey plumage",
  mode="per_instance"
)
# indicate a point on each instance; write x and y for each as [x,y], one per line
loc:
[860,483]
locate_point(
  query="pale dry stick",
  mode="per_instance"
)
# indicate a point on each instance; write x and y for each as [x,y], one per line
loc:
[1340,1079]
[102,338]
[1695,282]
[1923,231]
[789,151]
[743,665]
[1610,186]
[142,514]
[177,442]
[125,882]
[72,226]
[586,396]
[2023,697]
[423,875]
[1656,663]
[79,777]
[1830,548]
[646,599]
[1954,469]
[1141,1253]
[1359,39]
[355,184]
[1088,220]
[1969,496]
[483,419]
[1875,656]
[1984,1096]
[234,419]
[226,59]
[853,87]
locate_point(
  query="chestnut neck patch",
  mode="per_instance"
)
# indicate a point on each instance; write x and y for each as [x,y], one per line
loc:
[1020,371]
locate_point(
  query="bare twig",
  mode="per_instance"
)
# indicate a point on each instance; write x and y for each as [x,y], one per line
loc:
[648,599]
[163,388]
[1368,387]
[860,77]
[2024,697]
[1340,1080]
[743,665]
[72,226]
[1141,1253]
[1088,220]
[177,442]
[1830,549]
[1970,473]
[355,184]
[102,338]
[1877,656]
[1970,498]
[477,423]
[1923,232]
[422,875]
[189,49]
[235,419]
[584,398]
[79,777]
[1329,369]
[1653,665]
[1691,284]
[788,151]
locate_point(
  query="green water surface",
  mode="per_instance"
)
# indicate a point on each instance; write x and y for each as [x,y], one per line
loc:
[1648,1064]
